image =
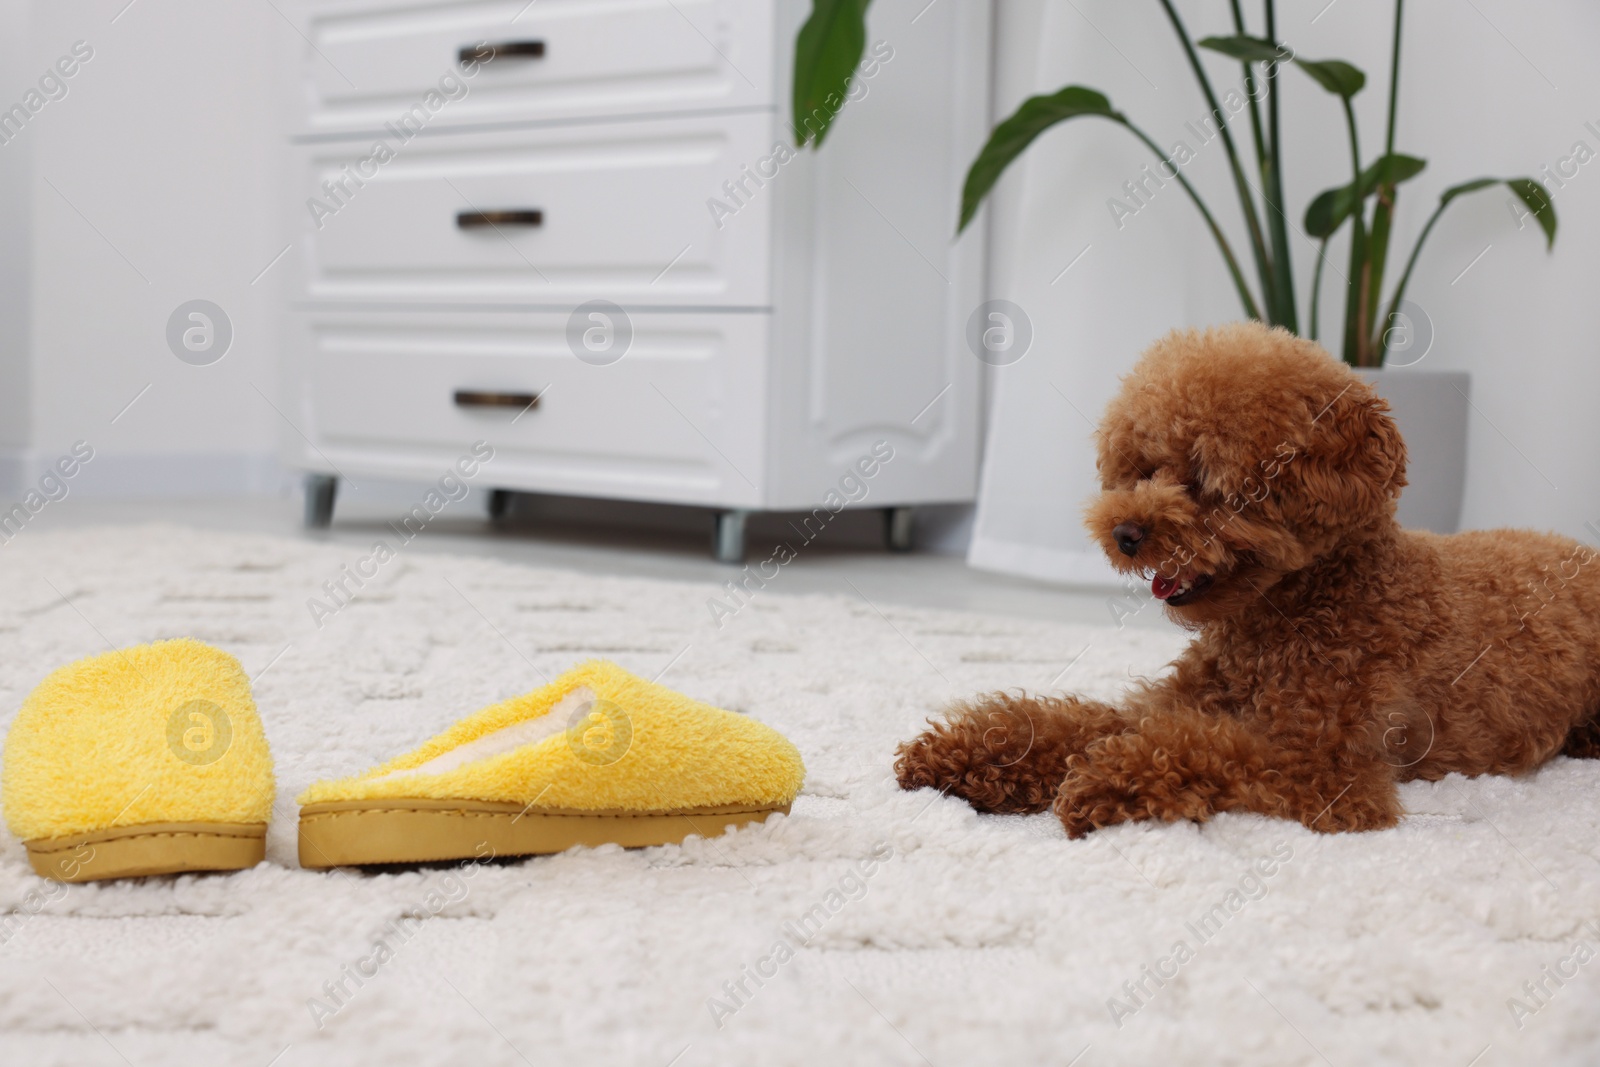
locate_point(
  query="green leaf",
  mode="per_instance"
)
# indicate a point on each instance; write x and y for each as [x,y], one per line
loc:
[1334,75]
[1330,209]
[1528,190]
[1466,187]
[1391,169]
[1247,49]
[1015,134]
[1538,200]
[1537,197]
[825,57]
[1327,212]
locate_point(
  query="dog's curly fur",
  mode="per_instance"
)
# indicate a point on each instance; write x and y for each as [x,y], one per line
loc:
[1335,653]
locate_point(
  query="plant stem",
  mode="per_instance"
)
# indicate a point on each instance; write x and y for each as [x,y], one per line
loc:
[1248,300]
[1394,76]
[1257,133]
[1405,277]
[1252,219]
[1272,192]
[1355,318]
[1383,209]
[1250,91]
[1316,286]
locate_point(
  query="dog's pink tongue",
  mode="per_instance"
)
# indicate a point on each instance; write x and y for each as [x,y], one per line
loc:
[1163,587]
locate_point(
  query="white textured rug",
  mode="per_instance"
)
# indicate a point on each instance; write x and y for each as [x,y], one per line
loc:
[969,940]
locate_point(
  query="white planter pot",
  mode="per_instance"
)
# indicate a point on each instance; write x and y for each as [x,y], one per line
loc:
[1430,407]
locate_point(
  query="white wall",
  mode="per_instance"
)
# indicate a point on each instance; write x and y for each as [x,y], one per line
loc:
[153,183]
[167,143]
[1496,87]
[15,288]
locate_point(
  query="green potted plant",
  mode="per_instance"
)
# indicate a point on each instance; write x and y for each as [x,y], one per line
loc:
[1431,409]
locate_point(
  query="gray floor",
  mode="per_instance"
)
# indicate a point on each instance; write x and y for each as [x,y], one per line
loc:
[658,542]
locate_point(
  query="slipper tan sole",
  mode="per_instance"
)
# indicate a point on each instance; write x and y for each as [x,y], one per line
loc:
[150,848]
[350,833]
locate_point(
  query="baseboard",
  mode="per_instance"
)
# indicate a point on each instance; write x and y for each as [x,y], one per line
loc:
[150,474]
[1060,565]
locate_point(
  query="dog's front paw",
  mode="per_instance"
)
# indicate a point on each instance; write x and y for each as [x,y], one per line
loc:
[927,761]
[1125,779]
[1003,754]
[960,762]
[1089,799]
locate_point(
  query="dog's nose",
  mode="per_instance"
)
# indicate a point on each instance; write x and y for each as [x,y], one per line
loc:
[1128,536]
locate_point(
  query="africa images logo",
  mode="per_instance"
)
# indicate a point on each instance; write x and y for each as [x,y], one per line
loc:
[199,332]
[199,732]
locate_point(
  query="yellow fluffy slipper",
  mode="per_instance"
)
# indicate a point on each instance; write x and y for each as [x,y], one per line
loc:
[598,756]
[147,760]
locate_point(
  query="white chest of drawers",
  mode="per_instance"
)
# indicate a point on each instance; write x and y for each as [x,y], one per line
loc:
[470,178]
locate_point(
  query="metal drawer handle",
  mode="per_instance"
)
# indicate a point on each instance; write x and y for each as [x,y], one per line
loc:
[484,52]
[475,220]
[473,398]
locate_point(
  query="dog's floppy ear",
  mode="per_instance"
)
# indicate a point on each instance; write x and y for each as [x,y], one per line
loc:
[1354,464]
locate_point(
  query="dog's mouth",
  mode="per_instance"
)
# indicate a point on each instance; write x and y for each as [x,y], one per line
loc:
[1180,589]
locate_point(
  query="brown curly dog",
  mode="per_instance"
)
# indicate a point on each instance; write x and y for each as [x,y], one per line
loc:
[1253,478]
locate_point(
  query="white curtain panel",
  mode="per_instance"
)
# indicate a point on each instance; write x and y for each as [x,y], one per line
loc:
[1492,88]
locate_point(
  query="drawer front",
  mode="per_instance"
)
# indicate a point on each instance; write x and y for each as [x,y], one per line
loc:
[678,417]
[364,64]
[617,211]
